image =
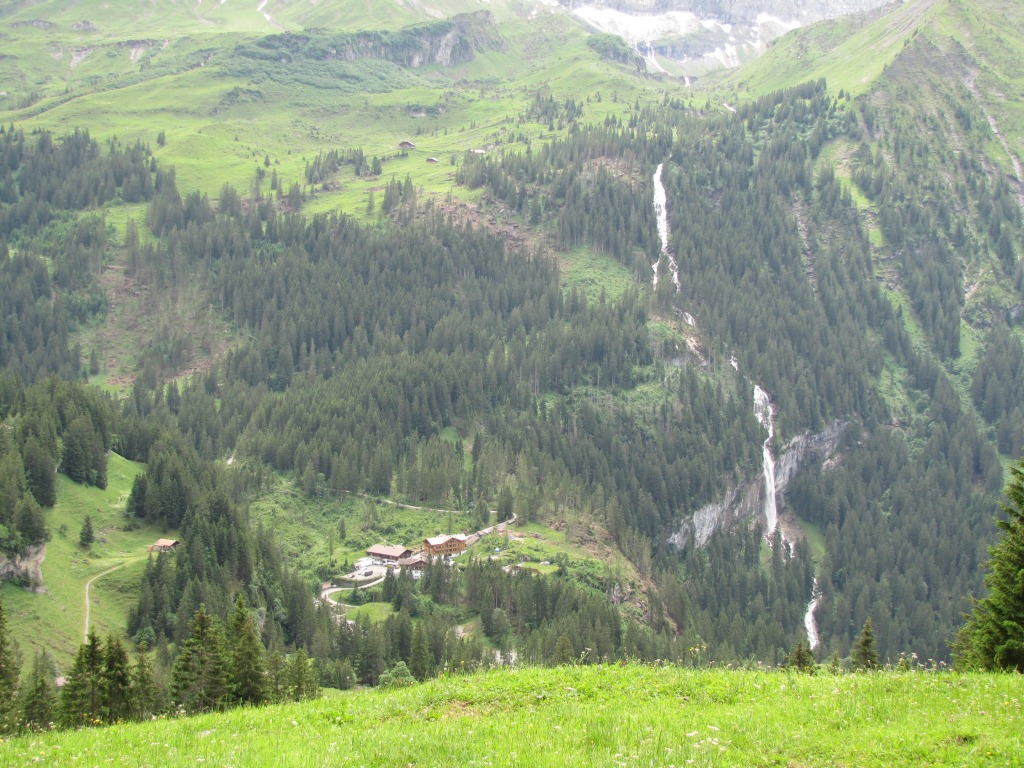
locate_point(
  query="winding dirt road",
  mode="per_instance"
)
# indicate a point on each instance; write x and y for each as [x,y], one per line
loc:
[85,630]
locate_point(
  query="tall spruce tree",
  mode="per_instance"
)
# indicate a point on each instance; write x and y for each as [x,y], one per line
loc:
[86,536]
[199,680]
[277,677]
[248,678]
[993,637]
[30,522]
[420,657]
[39,699]
[864,655]
[8,678]
[117,682]
[145,693]
[303,680]
[40,472]
[81,698]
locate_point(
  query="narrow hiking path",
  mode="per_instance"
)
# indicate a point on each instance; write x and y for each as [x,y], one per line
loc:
[88,584]
[404,505]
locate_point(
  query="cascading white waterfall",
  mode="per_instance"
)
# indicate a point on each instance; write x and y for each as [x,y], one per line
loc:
[813,639]
[661,212]
[762,403]
[763,412]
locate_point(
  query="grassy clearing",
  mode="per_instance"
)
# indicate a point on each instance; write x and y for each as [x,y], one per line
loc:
[590,716]
[375,612]
[595,272]
[576,548]
[815,539]
[54,620]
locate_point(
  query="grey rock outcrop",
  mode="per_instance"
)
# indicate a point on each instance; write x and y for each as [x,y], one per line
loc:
[27,567]
[806,448]
[744,501]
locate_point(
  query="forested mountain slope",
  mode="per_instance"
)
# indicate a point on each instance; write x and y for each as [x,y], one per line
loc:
[849,253]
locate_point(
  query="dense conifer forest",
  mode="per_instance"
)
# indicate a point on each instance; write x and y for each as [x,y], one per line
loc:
[360,347]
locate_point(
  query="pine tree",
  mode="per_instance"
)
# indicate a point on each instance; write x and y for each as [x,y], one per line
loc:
[506,503]
[83,452]
[8,678]
[81,698]
[277,678]
[864,655]
[199,680]
[145,693]
[40,472]
[248,679]
[993,637]
[117,682]
[801,658]
[303,680]
[419,656]
[39,699]
[346,675]
[835,665]
[564,652]
[30,522]
[86,536]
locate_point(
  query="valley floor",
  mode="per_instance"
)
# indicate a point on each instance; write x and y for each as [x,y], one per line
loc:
[594,716]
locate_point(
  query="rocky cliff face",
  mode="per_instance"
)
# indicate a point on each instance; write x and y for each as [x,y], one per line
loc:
[445,42]
[448,42]
[807,448]
[745,501]
[26,567]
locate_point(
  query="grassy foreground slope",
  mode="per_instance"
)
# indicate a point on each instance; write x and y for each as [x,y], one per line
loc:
[596,716]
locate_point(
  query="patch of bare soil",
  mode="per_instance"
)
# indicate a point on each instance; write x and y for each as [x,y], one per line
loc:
[621,168]
[496,219]
[138,317]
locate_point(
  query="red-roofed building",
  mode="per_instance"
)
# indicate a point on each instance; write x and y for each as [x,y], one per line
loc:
[163,545]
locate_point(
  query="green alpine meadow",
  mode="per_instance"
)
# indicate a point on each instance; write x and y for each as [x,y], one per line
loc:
[597,715]
[523,382]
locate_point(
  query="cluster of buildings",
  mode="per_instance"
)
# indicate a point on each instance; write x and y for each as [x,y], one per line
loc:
[416,560]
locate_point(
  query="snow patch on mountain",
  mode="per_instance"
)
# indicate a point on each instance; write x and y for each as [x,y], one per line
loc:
[637,29]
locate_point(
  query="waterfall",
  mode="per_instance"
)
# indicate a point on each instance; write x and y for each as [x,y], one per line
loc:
[661,212]
[810,625]
[763,412]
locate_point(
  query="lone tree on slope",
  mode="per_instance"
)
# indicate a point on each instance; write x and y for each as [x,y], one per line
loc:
[993,637]
[864,655]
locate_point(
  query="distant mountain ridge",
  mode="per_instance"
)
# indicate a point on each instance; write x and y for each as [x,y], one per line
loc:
[739,11]
[696,36]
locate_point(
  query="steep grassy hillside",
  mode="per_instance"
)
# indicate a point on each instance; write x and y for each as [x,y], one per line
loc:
[223,113]
[854,51]
[849,52]
[55,619]
[596,716]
